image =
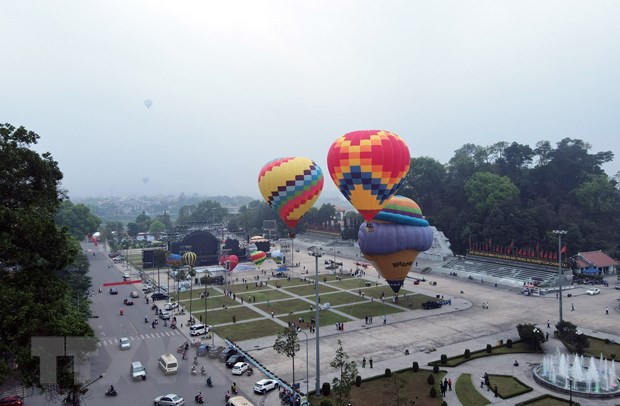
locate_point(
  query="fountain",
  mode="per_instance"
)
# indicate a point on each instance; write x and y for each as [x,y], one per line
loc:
[582,376]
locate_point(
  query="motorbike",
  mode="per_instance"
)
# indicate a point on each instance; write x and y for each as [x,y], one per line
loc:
[154,307]
[233,389]
[184,354]
[146,319]
[195,360]
[111,392]
[199,398]
[203,370]
[165,323]
[209,382]
[122,312]
[194,370]
[249,372]
[227,396]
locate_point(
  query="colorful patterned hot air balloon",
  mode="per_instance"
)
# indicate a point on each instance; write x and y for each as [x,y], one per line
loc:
[290,186]
[258,257]
[400,234]
[368,167]
[174,261]
[189,258]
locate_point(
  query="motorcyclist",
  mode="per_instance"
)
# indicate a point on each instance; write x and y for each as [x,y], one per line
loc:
[111,390]
[193,369]
[227,395]
[198,398]
[203,370]
[209,381]
[121,311]
[233,388]
[146,319]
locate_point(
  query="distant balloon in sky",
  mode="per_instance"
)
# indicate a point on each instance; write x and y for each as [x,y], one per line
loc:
[145,180]
[148,103]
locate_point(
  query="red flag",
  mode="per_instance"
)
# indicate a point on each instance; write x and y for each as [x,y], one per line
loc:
[555,256]
[563,249]
[537,244]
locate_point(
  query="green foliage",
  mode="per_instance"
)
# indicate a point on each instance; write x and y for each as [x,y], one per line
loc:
[489,348]
[358,381]
[467,353]
[443,359]
[78,219]
[531,335]
[326,402]
[387,373]
[415,366]
[347,373]
[486,191]
[326,389]
[431,379]
[433,392]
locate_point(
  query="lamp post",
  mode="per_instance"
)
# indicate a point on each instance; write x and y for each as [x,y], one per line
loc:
[316,254]
[307,380]
[560,233]
[570,391]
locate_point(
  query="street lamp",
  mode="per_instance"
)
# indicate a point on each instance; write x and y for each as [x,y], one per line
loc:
[570,391]
[307,379]
[560,233]
[317,254]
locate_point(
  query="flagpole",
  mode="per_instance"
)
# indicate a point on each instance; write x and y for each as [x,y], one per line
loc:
[560,233]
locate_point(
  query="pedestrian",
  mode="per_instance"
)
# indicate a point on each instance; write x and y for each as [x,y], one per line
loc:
[547,336]
[234,318]
[607,310]
[572,307]
[364,362]
[366,318]
[495,390]
[548,324]
[449,384]
[370,363]
[272,314]
[384,319]
[482,382]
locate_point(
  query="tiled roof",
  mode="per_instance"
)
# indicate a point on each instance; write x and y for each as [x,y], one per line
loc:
[598,258]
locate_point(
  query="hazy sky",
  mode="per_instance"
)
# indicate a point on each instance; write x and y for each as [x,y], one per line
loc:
[235,84]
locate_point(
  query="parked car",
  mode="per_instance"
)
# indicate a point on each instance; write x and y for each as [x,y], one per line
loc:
[265,385]
[125,275]
[226,353]
[128,302]
[170,306]
[164,315]
[431,305]
[159,296]
[12,401]
[124,343]
[234,359]
[170,399]
[134,294]
[593,291]
[240,368]
[113,291]
[618,287]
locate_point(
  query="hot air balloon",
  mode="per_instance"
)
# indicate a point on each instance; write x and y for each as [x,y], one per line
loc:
[258,257]
[148,103]
[368,166]
[290,186]
[400,234]
[174,261]
[233,261]
[277,256]
[189,258]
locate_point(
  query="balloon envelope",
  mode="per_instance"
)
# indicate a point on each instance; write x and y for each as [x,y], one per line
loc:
[148,103]
[290,186]
[189,258]
[368,167]
[258,257]
[233,261]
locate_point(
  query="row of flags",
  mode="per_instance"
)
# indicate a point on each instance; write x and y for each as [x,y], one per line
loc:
[521,252]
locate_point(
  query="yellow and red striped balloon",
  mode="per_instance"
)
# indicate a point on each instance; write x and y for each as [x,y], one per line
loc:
[368,167]
[189,258]
[291,186]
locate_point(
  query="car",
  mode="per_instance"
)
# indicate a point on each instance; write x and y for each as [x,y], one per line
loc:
[124,343]
[240,368]
[593,291]
[113,254]
[134,294]
[265,385]
[128,302]
[113,291]
[125,275]
[431,305]
[164,315]
[159,296]
[170,306]
[234,360]
[227,353]
[117,259]
[617,287]
[170,399]
[12,400]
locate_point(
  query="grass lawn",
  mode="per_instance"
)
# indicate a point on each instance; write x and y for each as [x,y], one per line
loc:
[598,346]
[197,290]
[241,287]
[339,298]
[350,283]
[251,329]
[264,295]
[467,392]
[225,315]
[284,306]
[326,318]
[375,291]
[308,290]
[414,389]
[374,309]
[507,386]
[547,400]
[413,301]
[213,302]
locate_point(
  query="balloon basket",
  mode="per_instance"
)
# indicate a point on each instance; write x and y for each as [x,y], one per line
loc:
[370,228]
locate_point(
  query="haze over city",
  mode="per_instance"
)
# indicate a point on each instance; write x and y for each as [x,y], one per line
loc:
[233,85]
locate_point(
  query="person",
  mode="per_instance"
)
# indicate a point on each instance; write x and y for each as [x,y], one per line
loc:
[198,397]
[547,336]
[572,307]
[364,362]
[193,369]
[516,363]
[227,395]
[370,362]
[607,310]
[99,290]
[121,311]
[233,387]
[203,370]
[548,324]
[146,319]
[111,390]
[209,381]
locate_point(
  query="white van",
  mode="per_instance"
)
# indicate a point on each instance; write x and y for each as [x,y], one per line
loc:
[168,363]
[137,370]
[238,401]
[199,329]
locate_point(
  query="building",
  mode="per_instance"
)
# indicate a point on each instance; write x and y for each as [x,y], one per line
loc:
[595,263]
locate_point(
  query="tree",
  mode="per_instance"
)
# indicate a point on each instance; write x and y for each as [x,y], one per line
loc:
[157,227]
[486,191]
[287,343]
[348,371]
[531,335]
[78,219]
[394,390]
[38,290]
